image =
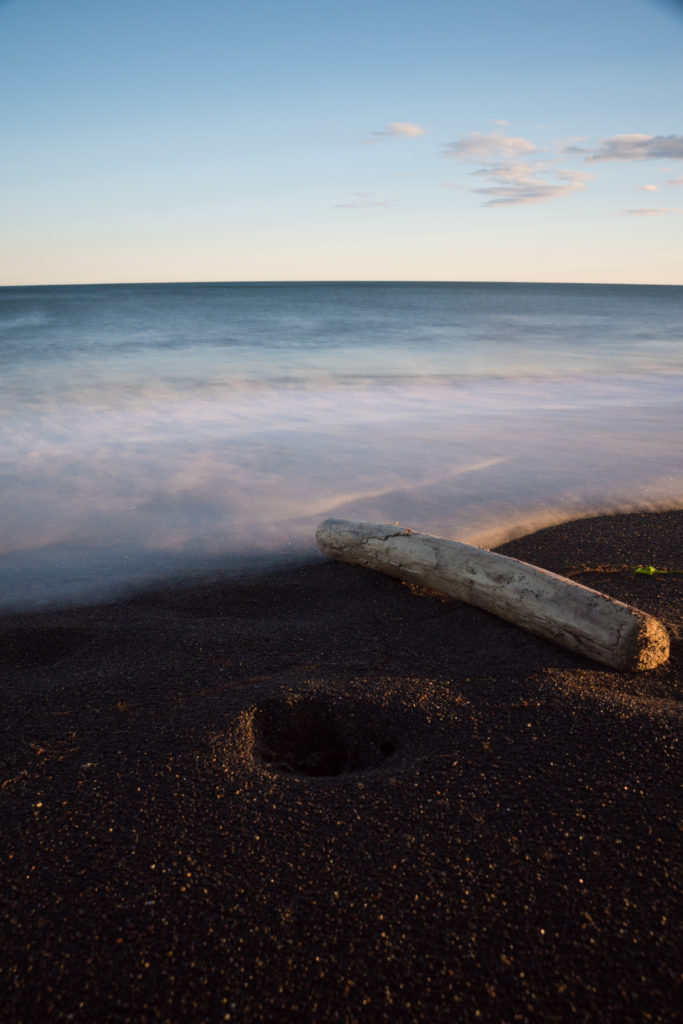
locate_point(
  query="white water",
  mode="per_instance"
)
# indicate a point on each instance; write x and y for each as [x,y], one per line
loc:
[118,468]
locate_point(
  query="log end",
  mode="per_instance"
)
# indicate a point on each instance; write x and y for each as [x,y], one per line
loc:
[648,647]
[327,536]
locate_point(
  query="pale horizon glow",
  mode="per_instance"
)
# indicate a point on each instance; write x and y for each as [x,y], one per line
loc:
[496,142]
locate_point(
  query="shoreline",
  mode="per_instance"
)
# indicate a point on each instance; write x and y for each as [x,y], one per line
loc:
[316,793]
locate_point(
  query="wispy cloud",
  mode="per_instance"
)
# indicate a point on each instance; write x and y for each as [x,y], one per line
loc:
[397,129]
[512,179]
[516,184]
[477,147]
[675,181]
[652,211]
[635,147]
[649,188]
[361,199]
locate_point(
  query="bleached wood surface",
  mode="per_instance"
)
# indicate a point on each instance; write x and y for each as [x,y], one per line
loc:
[551,606]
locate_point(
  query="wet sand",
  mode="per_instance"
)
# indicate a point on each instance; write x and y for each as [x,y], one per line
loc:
[318,794]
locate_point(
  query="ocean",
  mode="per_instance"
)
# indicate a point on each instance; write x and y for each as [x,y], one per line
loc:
[149,432]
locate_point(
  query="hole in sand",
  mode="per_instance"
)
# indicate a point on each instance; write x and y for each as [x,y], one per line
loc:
[300,735]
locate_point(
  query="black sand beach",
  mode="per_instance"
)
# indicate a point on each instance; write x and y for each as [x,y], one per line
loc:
[319,795]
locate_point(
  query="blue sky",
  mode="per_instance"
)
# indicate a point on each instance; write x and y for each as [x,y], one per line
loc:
[161,141]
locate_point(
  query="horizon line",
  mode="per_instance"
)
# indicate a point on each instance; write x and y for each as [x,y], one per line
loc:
[339,281]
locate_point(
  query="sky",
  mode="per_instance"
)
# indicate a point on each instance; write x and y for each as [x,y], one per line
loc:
[154,140]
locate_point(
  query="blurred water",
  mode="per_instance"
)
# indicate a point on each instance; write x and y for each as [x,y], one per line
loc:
[147,430]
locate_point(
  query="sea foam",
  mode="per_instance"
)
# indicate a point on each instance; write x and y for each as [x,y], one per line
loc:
[137,456]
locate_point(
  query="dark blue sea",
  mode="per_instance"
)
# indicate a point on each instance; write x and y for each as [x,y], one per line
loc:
[151,431]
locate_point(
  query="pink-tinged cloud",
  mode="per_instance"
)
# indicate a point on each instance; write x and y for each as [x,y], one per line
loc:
[649,188]
[520,184]
[511,177]
[638,147]
[477,147]
[652,211]
[397,129]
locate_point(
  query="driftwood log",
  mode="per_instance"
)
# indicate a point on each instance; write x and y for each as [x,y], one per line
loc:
[551,606]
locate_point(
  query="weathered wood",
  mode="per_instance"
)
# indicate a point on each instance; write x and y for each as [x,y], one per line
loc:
[539,601]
